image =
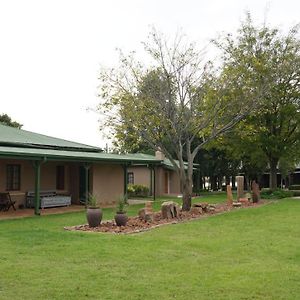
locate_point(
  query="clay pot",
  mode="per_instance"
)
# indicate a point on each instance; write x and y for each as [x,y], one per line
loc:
[121,218]
[94,216]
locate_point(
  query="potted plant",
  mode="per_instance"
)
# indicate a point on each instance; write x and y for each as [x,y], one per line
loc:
[93,212]
[120,216]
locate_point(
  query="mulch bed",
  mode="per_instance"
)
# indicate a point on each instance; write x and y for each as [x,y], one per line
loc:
[135,225]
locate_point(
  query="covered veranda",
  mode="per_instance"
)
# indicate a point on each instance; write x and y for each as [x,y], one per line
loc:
[89,161]
[28,212]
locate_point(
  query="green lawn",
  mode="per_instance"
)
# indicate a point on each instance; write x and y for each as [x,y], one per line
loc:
[244,254]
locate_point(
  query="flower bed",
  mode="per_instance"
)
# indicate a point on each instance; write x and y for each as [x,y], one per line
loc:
[135,225]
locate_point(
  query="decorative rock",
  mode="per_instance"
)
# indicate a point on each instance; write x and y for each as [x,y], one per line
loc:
[170,210]
[210,209]
[146,213]
[196,210]
[203,205]
[255,192]
[248,196]
[244,200]
[236,204]
[148,206]
[229,195]
[240,187]
[142,214]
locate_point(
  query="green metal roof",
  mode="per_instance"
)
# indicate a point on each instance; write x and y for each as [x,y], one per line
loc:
[80,156]
[21,138]
[22,144]
[51,154]
[166,162]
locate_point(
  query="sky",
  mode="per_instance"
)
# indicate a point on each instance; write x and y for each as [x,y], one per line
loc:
[51,52]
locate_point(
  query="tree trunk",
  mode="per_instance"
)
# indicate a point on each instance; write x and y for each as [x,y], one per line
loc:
[247,183]
[227,180]
[213,183]
[197,182]
[259,180]
[273,173]
[220,179]
[233,181]
[186,195]
[200,183]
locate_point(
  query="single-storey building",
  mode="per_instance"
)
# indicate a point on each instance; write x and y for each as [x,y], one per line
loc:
[282,181]
[167,180]
[42,171]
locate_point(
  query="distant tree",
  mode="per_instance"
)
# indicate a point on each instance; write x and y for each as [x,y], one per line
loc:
[6,120]
[173,102]
[214,162]
[273,59]
[243,149]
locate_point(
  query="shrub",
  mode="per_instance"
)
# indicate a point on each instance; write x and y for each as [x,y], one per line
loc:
[137,190]
[200,191]
[92,201]
[275,194]
[130,189]
[294,187]
[121,204]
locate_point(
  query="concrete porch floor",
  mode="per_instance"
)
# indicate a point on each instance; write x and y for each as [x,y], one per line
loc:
[29,212]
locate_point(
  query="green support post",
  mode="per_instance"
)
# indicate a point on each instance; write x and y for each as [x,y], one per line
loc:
[151,180]
[37,186]
[125,182]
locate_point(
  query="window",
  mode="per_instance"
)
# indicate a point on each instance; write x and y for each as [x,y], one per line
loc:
[13,177]
[60,177]
[130,178]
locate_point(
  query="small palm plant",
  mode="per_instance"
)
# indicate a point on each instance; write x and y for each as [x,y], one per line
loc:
[121,205]
[92,201]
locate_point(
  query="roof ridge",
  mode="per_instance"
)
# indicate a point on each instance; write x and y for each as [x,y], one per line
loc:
[35,134]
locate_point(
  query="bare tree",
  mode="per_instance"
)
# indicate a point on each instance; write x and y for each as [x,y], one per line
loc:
[177,104]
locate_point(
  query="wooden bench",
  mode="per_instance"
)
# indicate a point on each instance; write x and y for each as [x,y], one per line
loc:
[49,198]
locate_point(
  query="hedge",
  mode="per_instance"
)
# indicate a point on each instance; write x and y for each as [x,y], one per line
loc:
[275,194]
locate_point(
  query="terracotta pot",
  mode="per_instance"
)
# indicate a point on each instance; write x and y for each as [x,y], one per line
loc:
[94,216]
[121,218]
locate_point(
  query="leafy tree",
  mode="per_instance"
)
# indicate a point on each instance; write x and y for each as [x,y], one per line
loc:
[6,120]
[274,60]
[215,162]
[174,102]
[242,149]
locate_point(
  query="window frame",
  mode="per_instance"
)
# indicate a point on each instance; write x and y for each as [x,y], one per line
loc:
[130,177]
[13,177]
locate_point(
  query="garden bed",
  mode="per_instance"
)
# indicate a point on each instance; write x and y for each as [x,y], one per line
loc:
[135,225]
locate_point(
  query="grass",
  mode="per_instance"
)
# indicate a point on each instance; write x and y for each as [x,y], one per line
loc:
[245,254]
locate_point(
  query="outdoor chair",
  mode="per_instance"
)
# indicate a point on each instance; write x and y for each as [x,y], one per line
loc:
[6,202]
